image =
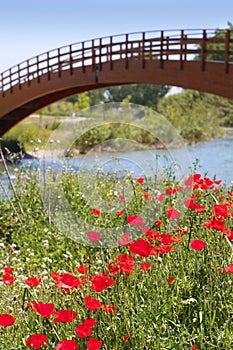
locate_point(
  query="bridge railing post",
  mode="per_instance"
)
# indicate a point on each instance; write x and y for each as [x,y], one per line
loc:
[161,49]
[143,50]
[37,68]
[110,54]
[71,59]
[126,51]
[48,66]
[181,49]
[83,56]
[227,48]
[203,51]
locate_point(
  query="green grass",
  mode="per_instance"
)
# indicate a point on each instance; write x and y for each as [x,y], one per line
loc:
[196,308]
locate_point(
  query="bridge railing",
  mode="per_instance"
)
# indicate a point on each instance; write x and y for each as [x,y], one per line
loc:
[182,45]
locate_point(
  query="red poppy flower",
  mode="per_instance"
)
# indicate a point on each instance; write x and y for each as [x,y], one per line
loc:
[194,347]
[94,344]
[8,279]
[96,212]
[151,234]
[100,283]
[92,303]
[172,213]
[68,281]
[113,268]
[82,269]
[146,195]
[125,239]
[94,236]
[144,266]
[6,320]
[64,316]
[126,263]
[140,180]
[171,279]
[121,198]
[141,247]
[89,322]
[33,281]
[83,331]
[67,345]
[36,341]
[158,223]
[135,220]
[171,190]
[163,249]
[44,310]
[228,268]
[120,213]
[126,337]
[8,270]
[166,238]
[160,198]
[109,308]
[197,244]
[199,208]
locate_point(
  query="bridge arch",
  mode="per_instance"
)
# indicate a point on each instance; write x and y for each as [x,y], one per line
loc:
[155,57]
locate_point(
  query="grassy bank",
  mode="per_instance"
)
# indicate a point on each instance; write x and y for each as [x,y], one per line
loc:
[148,266]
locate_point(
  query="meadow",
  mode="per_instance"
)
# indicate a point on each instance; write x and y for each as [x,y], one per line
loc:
[147,264]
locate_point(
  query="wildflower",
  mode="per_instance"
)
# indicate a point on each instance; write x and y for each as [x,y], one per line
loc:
[140,180]
[89,322]
[120,213]
[121,198]
[68,281]
[194,347]
[100,283]
[109,308]
[158,223]
[125,239]
[113,268]
[94,344]
[126,263]
[94,236]
[160,198]
[96,212]
[8,279]
[171,190]
[82,269]
[64,316]
[141,247]
[83,331]
[8,270]
[33,281]
[135,220]
[36,341]
[6,320]
[67,345]
[92,303]
[172,213]
[197,244]
[44,310]
[171,279]
[144,266]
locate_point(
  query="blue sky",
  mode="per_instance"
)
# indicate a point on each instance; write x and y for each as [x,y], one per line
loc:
[30,27]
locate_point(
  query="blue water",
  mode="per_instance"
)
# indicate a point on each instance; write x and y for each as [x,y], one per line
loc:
[215,159]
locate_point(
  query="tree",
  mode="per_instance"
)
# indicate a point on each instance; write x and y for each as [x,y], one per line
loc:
[141,94]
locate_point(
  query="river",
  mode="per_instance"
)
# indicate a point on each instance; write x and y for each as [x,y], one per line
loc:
[215,158]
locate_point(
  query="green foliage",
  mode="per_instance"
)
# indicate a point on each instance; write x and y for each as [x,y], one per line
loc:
[198,116]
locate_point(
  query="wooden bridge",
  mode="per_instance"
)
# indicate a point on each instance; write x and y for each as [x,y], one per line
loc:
[175,58]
